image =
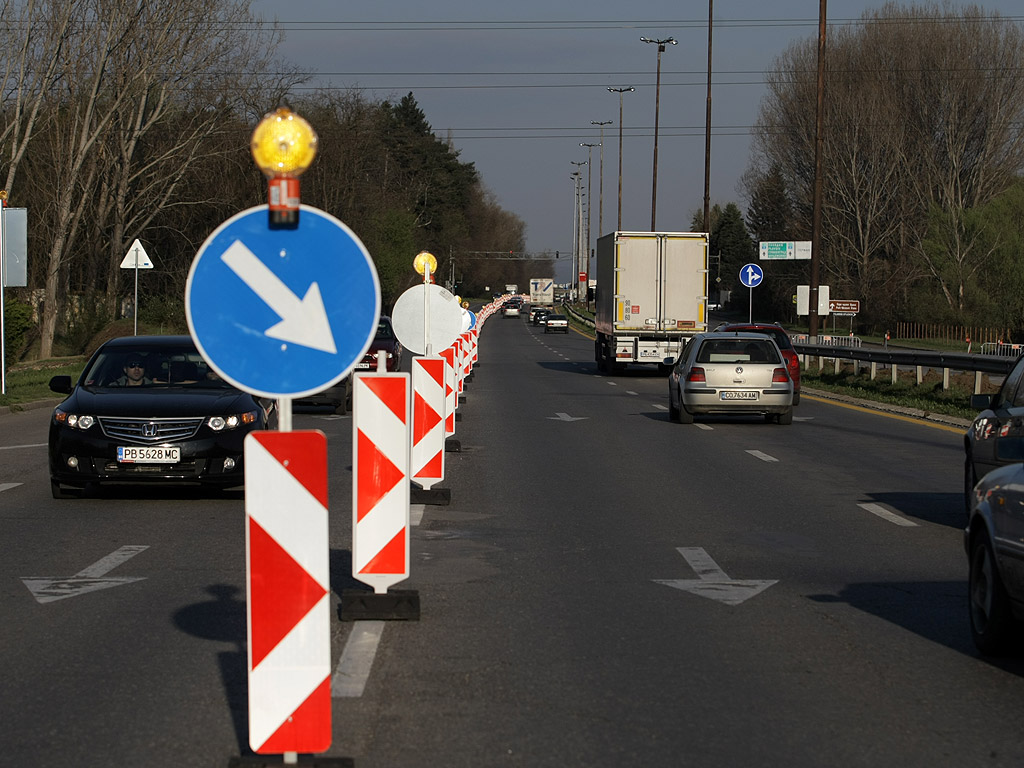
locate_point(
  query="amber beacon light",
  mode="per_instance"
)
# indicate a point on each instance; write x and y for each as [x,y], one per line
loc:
[283,146]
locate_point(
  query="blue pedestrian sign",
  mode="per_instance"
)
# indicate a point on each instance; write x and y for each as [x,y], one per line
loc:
[282,312]
[751,275]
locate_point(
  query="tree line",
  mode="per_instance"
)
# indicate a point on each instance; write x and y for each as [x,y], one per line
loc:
[923,210]
[124,119]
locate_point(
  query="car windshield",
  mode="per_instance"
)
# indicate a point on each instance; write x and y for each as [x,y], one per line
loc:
[738,351]
[384,331]
[151,366]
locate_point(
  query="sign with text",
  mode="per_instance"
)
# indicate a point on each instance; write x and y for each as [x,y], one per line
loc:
[844,306]
[784,250]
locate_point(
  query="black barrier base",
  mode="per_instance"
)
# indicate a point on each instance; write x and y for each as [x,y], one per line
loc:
[458,416]
[264,761]
[451,445]
[462,399]
[440,497]
[395,605]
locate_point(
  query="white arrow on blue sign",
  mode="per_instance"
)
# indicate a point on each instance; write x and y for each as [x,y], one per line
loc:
[751,275]
[282,312]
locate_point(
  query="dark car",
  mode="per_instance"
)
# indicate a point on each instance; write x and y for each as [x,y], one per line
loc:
[994,540]
[996,437]
[150,409]
[384,341]
[784,343]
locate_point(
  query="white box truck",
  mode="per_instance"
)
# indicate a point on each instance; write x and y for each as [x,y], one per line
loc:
[542,291]
[652,292]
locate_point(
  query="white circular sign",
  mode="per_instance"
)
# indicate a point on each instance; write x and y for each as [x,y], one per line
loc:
[442,312]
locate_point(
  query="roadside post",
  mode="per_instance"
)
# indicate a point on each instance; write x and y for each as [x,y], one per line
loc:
[136,259]
[283,311]
[751,276]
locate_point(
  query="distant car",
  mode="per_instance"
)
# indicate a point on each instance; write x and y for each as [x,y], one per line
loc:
[730,373]
[534,309]
[996,437]
[150,409]
[785,344]
[556,323]
[510,310]
[384,341]
[539,316]
[995,556]
[337,397]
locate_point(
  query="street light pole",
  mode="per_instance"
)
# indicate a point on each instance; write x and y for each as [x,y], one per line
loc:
[657,104]
[590,165]
[620,91]
[707,129]
[600,193]
[578,231]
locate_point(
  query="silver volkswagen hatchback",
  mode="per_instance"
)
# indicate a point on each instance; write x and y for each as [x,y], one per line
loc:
[730,373]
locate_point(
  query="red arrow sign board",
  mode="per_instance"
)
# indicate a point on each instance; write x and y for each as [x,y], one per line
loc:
[288,588]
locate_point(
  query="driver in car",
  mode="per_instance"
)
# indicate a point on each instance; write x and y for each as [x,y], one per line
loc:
[134,374]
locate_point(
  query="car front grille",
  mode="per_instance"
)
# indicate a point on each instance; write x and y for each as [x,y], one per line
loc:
[139,430]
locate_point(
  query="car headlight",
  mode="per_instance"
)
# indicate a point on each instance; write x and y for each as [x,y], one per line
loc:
[73,420]
[220,423]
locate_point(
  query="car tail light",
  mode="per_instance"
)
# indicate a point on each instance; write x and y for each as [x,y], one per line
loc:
[780,375]
[696,374]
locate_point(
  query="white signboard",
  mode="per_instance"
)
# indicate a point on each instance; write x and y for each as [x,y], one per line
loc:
[136,258]
[803,300]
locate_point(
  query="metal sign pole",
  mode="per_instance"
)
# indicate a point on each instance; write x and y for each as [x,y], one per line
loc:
[135,309]
[427,346]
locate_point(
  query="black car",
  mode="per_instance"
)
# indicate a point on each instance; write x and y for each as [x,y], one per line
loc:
[151,409]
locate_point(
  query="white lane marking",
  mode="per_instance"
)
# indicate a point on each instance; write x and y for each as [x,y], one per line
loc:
[630,392]
[416,513]
[762,456]
[885,514]
[47,589]
[707,427]
[353,670]
[660,407]
[30,445]
[612,384]
[8,486]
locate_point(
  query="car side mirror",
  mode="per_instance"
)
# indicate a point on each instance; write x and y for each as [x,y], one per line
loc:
[669,361]
[982,402]
[61,384]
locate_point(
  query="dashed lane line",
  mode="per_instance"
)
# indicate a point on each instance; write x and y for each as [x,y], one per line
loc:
[762,456]
[885,514]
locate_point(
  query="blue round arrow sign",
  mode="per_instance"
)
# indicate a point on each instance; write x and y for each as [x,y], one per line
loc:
[751,275]
[282,312]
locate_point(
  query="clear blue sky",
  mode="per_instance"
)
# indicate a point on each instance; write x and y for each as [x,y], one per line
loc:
[516,86]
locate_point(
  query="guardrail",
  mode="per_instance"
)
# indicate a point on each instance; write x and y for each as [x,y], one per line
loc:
[920,360]
[999,348]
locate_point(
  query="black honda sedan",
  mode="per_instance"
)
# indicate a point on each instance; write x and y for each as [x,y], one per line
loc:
[151,409]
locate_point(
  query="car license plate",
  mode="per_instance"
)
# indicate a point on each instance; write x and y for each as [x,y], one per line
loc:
[738,395]
[145,454]
[363,366]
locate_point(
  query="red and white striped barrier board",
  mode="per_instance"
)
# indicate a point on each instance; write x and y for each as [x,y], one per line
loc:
[287,592]
[428,428]
[380,485]
[451,398]
[474,336]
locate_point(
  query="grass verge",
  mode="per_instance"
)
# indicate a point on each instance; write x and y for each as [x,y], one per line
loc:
[29,382]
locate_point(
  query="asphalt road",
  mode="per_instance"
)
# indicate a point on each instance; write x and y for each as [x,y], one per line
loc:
[607,588]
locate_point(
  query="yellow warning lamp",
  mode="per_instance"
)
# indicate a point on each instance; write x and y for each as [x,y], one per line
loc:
[283,146]
[425,264]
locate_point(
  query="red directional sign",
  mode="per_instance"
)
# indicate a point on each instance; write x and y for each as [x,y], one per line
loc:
[288,592]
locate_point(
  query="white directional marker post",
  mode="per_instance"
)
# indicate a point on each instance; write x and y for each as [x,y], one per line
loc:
[136,259]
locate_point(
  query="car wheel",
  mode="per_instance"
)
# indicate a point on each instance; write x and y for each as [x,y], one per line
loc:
[970,480]
[796,398]
[991,618]
[673,409]
[786,417]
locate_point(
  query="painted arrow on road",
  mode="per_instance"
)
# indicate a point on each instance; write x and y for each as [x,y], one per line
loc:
[566,417]
[713,583]
[47,589]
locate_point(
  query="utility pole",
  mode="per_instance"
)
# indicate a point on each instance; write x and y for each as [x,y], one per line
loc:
[620,91]
[600,194]
[707,129]
[819,133]
[657,104]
